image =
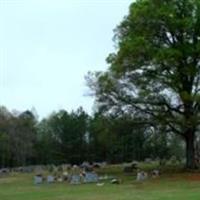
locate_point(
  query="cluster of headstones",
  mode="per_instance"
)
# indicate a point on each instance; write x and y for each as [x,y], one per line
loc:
[74,175]
[39,179]
[142,175]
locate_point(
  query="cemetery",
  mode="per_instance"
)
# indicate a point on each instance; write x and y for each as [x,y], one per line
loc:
[149,181]
[87,117]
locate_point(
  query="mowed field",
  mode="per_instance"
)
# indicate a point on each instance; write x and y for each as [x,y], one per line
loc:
[170,186]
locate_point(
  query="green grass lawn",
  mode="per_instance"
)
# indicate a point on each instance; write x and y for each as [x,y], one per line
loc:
[174,186]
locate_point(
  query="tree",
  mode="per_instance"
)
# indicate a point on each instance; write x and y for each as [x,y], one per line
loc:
[62,137]
[117,138]
[5,148]
[17,138]
[102,139]
[46,146]
[22,132]
[156,68]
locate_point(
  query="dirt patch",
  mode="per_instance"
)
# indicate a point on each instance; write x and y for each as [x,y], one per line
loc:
[182,177]
[193,177]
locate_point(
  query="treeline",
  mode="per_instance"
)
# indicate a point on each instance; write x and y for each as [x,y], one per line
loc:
[75,137]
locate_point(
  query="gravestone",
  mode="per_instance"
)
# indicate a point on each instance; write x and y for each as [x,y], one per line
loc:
[50,179]
[60,179]
[4,171]
[65,175]
[85,164]
[38,179]
[90,177]
[87,167]
[155,173]
[30,169]
[26,169]
[75,179]
[38,169]
[141,176]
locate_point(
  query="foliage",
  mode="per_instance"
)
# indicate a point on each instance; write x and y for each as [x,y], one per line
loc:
[156,68]
[17,138]
[62,137]
[76,137]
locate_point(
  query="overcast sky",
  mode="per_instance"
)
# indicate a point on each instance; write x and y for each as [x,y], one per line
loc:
[47,46]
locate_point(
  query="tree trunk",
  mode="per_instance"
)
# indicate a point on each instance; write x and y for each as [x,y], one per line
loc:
[190,150]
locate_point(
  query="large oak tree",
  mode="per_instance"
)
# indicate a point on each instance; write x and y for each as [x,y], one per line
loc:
[156,68]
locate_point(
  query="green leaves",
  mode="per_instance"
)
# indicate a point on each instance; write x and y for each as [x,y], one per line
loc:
[157,59]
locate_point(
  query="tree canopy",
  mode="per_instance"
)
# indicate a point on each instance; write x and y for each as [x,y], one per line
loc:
[155,71]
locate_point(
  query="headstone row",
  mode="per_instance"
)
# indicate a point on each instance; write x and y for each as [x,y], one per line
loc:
[142,175]
[76,176]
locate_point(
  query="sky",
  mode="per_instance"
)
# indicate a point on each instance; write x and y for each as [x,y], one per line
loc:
[48,46]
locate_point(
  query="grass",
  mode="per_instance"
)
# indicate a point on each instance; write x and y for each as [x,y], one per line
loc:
[173,186]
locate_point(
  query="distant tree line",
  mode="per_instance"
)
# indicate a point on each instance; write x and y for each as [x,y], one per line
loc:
[75,137]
